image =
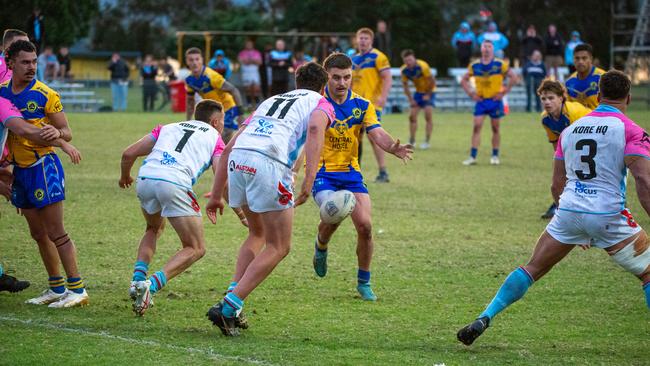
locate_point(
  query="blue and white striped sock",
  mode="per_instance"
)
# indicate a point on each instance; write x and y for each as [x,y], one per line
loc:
[231,305]
[231,287]
[158,281]
[140,271]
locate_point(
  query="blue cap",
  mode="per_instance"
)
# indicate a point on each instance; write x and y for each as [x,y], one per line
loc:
[492,24]
[464,25]
[575,34]
[219,53]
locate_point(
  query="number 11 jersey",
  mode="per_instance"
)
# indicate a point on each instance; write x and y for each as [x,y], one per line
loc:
[593,149]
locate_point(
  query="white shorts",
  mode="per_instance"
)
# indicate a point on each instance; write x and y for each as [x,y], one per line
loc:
[601,231]
[250,75]
[169,199]
[258,181]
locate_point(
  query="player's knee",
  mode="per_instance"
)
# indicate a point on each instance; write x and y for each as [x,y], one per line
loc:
[199,252]
[635,256]
[477,128]
[364,230]
[495,129]
[39,236]
[156,230]
[413,119]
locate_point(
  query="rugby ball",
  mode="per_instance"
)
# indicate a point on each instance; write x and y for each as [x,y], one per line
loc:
[337,207]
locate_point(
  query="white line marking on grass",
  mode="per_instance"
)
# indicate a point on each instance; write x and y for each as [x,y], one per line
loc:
[206,352]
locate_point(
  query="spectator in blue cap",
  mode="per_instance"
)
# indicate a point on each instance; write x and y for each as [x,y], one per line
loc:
[498,39]
[463,42]
[568,50]
[221,64]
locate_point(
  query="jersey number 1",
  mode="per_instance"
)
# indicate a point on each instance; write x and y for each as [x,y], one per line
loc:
[589,158]
[183,141]
[276,105]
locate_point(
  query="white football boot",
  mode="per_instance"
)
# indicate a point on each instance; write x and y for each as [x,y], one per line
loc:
[47,297]
[494,160]
[142,299]
[71,299]
[424,146]
[470,161]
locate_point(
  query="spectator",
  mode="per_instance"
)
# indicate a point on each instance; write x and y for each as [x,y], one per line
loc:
[498,39]
[251,60]
[221,64]
[169,75]
[119,81]
[534,72]
[352,50]
[531,43]
[299,59]
[64,64]
[463,42]
[382,39]
[47,65]
[36,29]
[568,50]
[148,73]
[280,63]
[326,47]
[554,49]
[265,70]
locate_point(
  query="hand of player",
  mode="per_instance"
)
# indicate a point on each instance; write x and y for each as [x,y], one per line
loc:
[50,133]
[476,98]
[380,102]
[585,246]
[73,153]
[498,96]
[5,190]
[305,191]
[214,204]
[404,152]
[413,103]
[125,182]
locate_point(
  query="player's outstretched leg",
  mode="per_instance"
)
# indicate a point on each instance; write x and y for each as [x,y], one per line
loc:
[547,253]
[139,291]
[10,283]
[633,255]
[365,246]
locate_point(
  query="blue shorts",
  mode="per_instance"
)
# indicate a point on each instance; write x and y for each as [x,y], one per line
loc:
[336,181]
[39,185]
[230,118]
[491,107]
[418,97]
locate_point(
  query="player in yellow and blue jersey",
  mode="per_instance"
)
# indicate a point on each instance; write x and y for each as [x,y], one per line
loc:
[209,84]
[488,73]
[38,186]
[372,80]
[558,114]
[339,165]
[419,73]
[582,85]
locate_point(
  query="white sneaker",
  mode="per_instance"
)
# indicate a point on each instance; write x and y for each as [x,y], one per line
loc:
[413,144]
[494,160]
[47,297]
[142,299]
[470,161]
[71,299]
[425,146]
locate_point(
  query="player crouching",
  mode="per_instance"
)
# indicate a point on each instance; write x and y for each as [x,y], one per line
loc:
[178,153]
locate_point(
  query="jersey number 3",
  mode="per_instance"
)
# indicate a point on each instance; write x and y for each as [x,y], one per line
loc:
[592,148]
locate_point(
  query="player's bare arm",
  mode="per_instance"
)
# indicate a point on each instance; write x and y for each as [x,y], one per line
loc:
[386,84]
[559,179]
[58,127]
[431,81]
[380,137]
[23,129]
[407,93]
[640,170]
[313,148]
[141,148]
[512,80]
[464,82]
[189,106]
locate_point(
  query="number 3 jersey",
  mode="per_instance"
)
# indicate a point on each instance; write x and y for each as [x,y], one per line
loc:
[278,128]
[183,151]
[593,149]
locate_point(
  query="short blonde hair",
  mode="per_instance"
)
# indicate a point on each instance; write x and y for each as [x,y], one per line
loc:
[366,30]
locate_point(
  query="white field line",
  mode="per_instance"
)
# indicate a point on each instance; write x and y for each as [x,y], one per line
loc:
[206,352]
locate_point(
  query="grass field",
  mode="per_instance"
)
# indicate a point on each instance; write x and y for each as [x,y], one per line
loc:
[446,236]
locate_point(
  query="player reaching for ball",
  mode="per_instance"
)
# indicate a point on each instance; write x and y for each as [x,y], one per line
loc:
[339,165]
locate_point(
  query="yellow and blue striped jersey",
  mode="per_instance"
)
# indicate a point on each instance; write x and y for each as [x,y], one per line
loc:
[584,91]
[366,78]
[488,77]
[341,148]
[208,85]
[419,75]
[571,112]
[35,102]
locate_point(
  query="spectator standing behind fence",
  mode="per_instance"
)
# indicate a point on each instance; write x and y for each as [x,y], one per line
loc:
[568,50]
[148,73]
[554,49]
[119,82]
[221,64]
[36,29]
[463,42]
[534,72]
[530,43]
[64,64]
[382,40]
[47,65]
[169,75]
[498,39]
[250,60]
[280,64]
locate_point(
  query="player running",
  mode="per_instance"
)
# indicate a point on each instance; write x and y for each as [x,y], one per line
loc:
[488,72]
[558,114]
[257,163]
[419,72]
[177,155]
[582,85]
[589,181]
[339,166]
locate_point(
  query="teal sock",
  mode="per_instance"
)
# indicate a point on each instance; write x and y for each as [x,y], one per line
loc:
[231,287]
[513,289]
[57,284]
[76,284]
[646,289]
[231,305]
[140,271]
[1,270]
[158,281]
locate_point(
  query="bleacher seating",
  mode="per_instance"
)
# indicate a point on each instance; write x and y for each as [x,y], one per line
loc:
[75,98]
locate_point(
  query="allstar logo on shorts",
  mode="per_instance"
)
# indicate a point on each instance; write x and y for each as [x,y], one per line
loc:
[39,194]
[194,203]
[285,195]
[630,219]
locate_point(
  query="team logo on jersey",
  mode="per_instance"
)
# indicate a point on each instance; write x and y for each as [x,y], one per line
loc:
[341,127]
[356,112]
[39,194]
[57,107]
[168,159]
[264,127]
[32,106]
[582,188]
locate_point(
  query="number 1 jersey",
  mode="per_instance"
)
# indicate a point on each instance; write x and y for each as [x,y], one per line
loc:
[183,151]
[593,149]
[278,128]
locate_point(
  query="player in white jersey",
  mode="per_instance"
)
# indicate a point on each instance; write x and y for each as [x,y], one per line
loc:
[257,163]
[177,155]
[589,179]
